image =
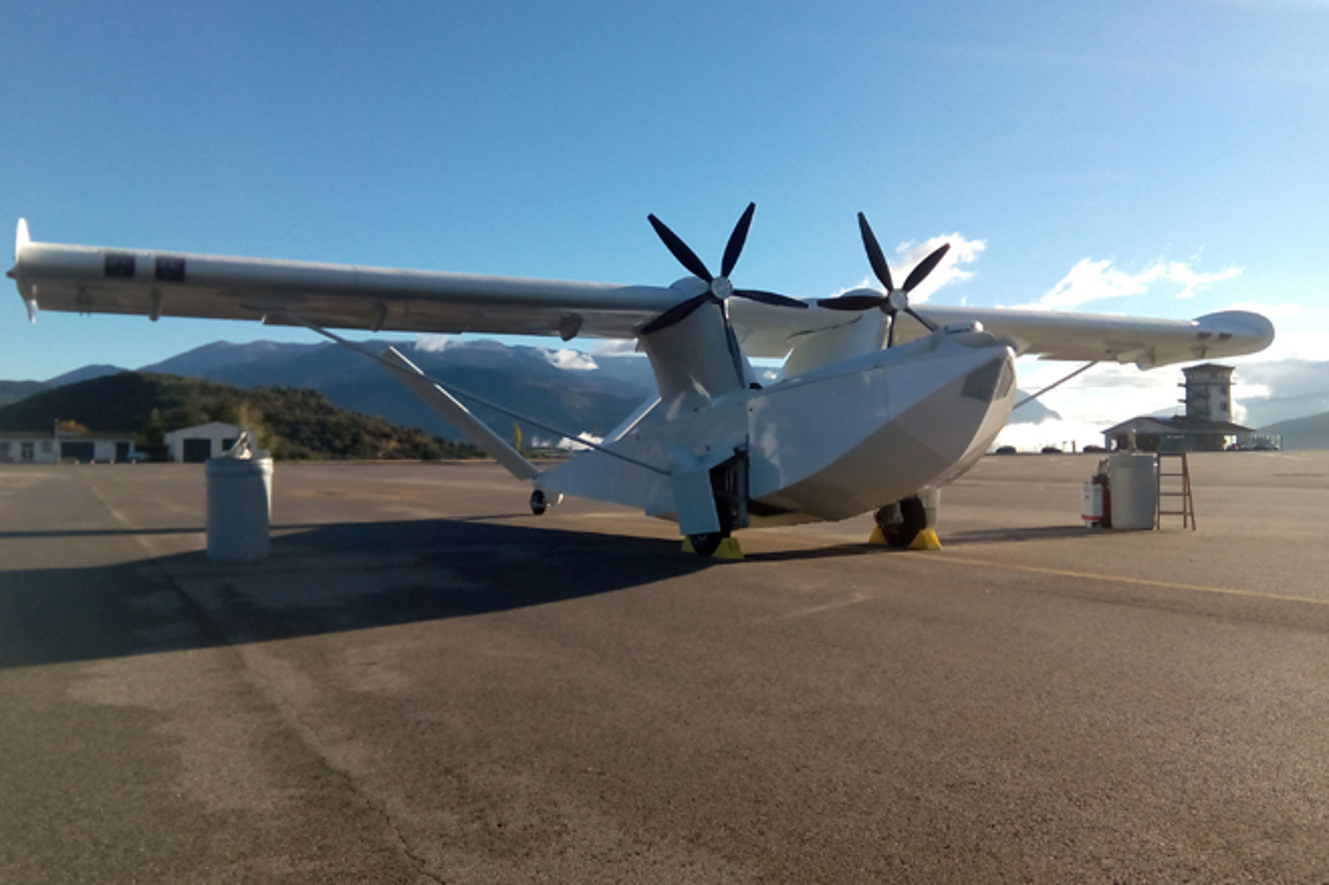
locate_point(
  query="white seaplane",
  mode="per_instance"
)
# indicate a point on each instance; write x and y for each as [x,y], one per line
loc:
[878,403]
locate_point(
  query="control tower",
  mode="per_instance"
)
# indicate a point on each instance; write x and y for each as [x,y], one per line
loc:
[1208,392]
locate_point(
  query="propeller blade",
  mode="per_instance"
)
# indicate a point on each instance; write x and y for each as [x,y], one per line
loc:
[925,267]
[875,256]
[853,302]
[680,250]
[927,323]
[734,247]
[677,313]
[770,298]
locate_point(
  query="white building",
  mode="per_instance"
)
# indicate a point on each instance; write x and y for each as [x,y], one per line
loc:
[43,447]
[196,444]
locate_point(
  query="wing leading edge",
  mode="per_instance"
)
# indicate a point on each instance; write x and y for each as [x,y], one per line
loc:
[88,279]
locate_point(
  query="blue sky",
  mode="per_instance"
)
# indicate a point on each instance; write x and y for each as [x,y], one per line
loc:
[1160,158]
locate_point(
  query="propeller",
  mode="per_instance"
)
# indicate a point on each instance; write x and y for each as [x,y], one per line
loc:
[893,300]
[719,289]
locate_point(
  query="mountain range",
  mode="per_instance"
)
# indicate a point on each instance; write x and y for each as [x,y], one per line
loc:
[567,389]
[571,390]
[1302,433]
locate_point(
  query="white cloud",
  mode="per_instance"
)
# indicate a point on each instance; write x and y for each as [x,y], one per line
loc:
[868,283]
[573,360]
[1269,391]
[1091,403]
[1063,434]
[1300,332]
[573,445]
[1091,280]
[614,347]
[1264,391]
[432,343]
[1292,377]
[952,268]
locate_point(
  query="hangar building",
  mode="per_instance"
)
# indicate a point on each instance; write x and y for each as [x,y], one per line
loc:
[197,444]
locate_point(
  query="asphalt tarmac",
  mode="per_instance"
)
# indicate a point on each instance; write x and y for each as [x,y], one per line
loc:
[425,683]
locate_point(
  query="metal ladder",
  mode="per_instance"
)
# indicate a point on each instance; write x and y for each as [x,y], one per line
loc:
[1169,489]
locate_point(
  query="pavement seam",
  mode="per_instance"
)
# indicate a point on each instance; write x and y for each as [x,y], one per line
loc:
[1143,582]
[289,713]
[306,734]
[285,709]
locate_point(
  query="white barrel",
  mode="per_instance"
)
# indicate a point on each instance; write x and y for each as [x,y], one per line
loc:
[1133,483]
[239,507]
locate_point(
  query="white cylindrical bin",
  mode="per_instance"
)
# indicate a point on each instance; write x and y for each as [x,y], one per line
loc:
[239,507]
[1133,480]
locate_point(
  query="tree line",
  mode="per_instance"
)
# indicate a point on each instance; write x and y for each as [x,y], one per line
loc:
[291,423]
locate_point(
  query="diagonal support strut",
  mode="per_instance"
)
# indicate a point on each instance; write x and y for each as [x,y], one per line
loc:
[443,399]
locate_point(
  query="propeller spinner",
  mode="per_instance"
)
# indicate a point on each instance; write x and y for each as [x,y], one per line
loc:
[893,300]
[719,289]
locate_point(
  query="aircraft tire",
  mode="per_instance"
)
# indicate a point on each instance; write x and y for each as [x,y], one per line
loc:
[901,533]
[707,543]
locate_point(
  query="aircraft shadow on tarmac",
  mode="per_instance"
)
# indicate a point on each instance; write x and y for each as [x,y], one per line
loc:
[1024,533]
[318,580]
[948,539]
[38,534]
[349,576]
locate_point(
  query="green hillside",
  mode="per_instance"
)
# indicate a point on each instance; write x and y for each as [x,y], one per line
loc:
[291,423]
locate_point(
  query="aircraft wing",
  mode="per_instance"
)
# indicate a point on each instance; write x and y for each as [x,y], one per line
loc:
[88,279]
[1147,342]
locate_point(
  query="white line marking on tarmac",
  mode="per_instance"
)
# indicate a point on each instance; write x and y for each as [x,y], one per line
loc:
[1145,582]
[854,599]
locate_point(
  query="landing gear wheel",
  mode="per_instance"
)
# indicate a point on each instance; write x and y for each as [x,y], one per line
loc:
[706,544]
[901,522]
[538,503]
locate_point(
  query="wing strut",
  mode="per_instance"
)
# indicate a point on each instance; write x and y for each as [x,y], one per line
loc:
[1033,396]
[444,401]
[449,409]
